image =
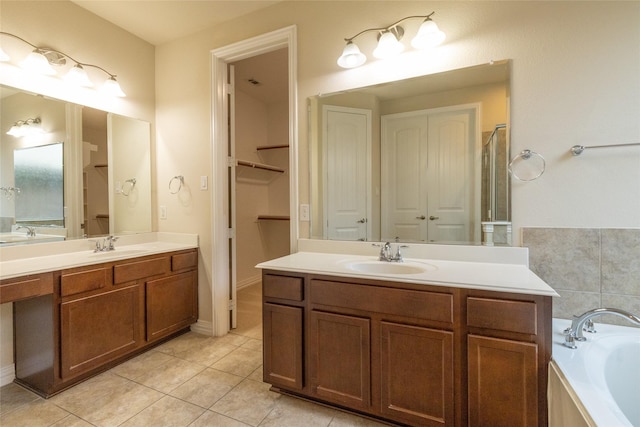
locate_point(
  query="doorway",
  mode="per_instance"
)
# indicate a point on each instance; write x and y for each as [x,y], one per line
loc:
[226,165]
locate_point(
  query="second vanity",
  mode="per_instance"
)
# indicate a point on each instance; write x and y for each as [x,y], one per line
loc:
[77,313]
[440,340]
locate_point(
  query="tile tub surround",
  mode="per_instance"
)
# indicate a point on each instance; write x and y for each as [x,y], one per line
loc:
[588,267]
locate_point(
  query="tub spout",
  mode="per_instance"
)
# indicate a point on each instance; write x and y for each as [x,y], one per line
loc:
[574,333]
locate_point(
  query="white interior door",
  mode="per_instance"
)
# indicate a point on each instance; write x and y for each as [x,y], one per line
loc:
[427,175]
[347,139]
[450,176]
[404,176]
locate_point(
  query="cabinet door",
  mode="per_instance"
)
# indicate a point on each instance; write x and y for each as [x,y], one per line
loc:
[172,304]
[282,330]
[339,359]
[97,329]
[503,382]
[416,374]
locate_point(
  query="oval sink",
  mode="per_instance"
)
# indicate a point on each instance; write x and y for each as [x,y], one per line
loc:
[380,267]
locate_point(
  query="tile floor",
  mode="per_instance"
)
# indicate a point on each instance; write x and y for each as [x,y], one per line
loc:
[192,380]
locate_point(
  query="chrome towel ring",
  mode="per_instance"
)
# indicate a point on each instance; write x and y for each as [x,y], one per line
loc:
[175,184]
[132,184]
[527,166]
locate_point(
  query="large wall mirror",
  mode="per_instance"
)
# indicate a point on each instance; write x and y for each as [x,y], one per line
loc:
[94,170]
[417,160]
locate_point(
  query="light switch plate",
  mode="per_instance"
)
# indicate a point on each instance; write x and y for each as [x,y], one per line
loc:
[163,212]
[203,183]
[304,212]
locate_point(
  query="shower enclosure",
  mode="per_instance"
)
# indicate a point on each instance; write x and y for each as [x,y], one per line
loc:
[496,200]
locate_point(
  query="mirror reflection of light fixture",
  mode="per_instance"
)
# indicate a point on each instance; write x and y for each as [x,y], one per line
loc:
[389,45]
[42,61]
[26,128]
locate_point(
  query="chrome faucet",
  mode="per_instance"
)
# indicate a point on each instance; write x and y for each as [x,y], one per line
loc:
[106,244]
[574,332]
[31,231]
[386,253]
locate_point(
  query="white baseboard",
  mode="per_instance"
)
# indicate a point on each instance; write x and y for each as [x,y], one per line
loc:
[7,374]
[248,282]
[203,327]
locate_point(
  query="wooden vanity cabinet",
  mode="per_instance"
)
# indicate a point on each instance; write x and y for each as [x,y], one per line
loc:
[416,355]
[282,319]
[102,314]
[509,349]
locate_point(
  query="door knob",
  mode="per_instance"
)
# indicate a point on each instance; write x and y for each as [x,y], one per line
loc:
[433,217]
[421,217]
[362,221]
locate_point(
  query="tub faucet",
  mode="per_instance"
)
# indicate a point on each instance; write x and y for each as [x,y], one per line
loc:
[574,332]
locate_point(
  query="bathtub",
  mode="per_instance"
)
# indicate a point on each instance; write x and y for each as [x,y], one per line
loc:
[601,377]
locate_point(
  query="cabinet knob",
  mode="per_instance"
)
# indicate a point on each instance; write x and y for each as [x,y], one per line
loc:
[432,218]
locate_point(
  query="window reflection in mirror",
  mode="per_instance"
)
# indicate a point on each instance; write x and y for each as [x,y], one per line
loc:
[38,175]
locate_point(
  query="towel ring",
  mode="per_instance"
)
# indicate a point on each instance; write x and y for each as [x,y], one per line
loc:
[530,164]
[131,181]
[178,181]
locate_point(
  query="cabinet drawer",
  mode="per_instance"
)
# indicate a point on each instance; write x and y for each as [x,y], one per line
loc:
[502,315]
[283,287]
[83,281]
[26,287]
[184,260]
[401,302]
[128,272]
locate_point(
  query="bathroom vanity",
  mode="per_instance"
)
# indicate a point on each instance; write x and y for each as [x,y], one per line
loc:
[409,347]
[71,323]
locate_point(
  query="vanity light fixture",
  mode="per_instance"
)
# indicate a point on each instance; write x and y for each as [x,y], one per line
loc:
[389,45]
[43,60]
[26,128]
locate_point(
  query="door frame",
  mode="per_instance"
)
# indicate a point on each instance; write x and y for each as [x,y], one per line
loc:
[220,231]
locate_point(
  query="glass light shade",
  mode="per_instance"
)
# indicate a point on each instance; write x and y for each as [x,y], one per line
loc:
[388,46]
[351,56]
[3,56]
[37,63]
[15,130]
[112,88]
[78,76]
[429,35]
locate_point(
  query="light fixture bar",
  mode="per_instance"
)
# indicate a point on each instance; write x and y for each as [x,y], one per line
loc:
[389,41]
[77,74]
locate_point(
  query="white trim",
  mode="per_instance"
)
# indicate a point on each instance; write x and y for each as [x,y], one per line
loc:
[285,37]
[202,327]
[7,374]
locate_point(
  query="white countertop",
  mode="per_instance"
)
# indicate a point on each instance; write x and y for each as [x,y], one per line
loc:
[491,276]
[22,260]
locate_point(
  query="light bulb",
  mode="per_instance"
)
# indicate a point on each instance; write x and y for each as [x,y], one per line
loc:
[112,88]
[37,63]
[429,35]
[388,46]
[351,56]
[78,77]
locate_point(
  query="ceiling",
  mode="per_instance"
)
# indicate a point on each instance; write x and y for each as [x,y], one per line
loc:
[159,22]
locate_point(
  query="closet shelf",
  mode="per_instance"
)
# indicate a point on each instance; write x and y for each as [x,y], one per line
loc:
[273,218]
[102,216]
[102,165]
[256,172]
[271,147]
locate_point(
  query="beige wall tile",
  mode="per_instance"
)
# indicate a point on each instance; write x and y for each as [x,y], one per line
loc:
[621,261]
